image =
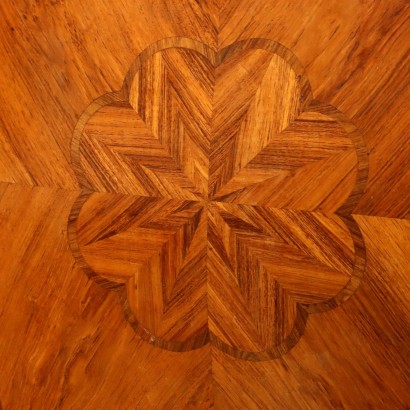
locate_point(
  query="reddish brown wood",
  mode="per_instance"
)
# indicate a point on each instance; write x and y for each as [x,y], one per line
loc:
[237,233]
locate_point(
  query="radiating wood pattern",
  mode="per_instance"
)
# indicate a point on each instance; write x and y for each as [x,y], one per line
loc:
[188,220]
[196,248]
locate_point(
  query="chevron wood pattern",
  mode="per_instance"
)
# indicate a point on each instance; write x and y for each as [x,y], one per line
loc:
[203,204]
[196,220]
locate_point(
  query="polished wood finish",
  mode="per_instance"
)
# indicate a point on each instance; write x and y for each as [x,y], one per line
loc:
[207,147]
[188,219]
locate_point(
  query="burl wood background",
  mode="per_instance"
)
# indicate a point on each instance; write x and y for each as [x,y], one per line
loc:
[204,204]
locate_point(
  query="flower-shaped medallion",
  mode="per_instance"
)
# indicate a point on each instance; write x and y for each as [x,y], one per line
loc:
[217,198]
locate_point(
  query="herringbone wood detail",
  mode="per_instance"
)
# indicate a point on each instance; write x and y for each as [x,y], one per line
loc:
[215,176]
[65,343]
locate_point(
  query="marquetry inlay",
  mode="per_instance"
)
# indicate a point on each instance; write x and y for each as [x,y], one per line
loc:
[217,198]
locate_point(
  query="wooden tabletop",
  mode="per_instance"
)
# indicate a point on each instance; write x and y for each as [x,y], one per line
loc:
[204,204]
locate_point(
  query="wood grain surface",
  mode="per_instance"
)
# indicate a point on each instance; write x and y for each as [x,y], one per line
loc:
[196,248]
[204,204]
